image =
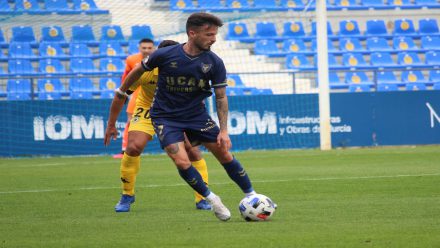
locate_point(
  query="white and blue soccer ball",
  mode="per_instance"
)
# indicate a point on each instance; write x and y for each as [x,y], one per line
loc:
[256,207]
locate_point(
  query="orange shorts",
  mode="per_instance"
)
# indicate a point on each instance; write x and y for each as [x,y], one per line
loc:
[132,102]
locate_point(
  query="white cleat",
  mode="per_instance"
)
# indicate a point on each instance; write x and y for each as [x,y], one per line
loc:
[220,210]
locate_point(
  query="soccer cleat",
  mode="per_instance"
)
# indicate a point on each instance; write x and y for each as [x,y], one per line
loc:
[125,203]
[203,205]
[119,155]
[220,210]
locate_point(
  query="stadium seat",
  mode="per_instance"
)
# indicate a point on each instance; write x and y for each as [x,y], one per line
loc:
[51,50]
[293,29]
[265,5]
[428,26]
[111,65]
[264,92]
[139,32]
[349,28]
[297,61]
[409,77]
[415,86]
[52,34]
[51,66]
[430,43]
[375,4]
[357,78]
[350,45]
[81,88]
[241,5]
[80,50]
[50,89]
[432,58]
[3,42]
[83,34]
[112,33]
[88,6]
[266,30]
[344,4]
[20,67]
[133,47]
[23,34]
[427,3]
[234,91]
[387,77]
[436,86]
[238,31]
[111,49]
[30,7]
[402,4]
[353,60]
[330,33]
[332,62]
[214,5]
[359,88]
[376,28]
[234,80]
[404,44]
[387,87]
[330,46]
[5,9]
[267,47]
[21,50]
[107,86]
[382,59]
[335,82]
[378,44]
[82,65]
[182,5]
[59,6]
[408,59]
[294,46]
[434,76]
[292,4]
[18,89]
[404,27]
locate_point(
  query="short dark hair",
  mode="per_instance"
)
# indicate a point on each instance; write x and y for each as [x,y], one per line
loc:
[200,19]
[166,43]
[146,40]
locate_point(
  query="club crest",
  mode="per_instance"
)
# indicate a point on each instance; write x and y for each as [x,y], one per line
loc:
[206,67]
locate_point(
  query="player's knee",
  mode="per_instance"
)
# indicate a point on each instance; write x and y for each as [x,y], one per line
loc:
[133,149]
[225,157]
[194,154]
[182,163]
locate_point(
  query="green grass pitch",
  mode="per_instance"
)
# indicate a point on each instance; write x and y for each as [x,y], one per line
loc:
[381,197]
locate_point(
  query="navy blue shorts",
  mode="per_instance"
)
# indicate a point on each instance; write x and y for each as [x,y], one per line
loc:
[199,129]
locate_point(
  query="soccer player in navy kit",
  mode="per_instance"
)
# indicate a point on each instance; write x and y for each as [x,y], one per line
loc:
[187,73]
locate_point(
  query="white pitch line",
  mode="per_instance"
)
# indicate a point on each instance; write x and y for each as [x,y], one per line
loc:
[222,183]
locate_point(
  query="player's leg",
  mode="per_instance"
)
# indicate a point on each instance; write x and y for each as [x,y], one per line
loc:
[195,156]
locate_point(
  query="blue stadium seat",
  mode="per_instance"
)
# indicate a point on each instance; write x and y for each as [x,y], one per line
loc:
[111,65]
[82,65]
[335,82]
[51,50]
[111,49]
[80,50]
[234,80]
[265,5]
[133,47]
[298,61]
[404,44]
[434,76]
[387,87]
[436,86]
[432,58]
[404,27]
[409,77]
[378,44]
[241,5]
[387,77]
[238,31]
[18,89]
[292,4]
[182,5]
[332,62]
[107,86]
[294,46]
[50,89]
[29,6]
[51,66]
[21,50]
[88,6]
[234,91]
[112,33]
[214,5]
[402,4]
[5,8]
[408,59]
[53,34]
[430,43]
[293,29]
[139,32]
[415,86]
[376,28]
[359,88]
[83,34]
[375,4]
[264,92]
[20,67]
[330,46]
[382,59]
[3,42]
[23,34]
[349,28]
[81,88]
[357,78]
[344,4]
[330,33]
[266,30]
[354,60]
[59,6]
[267,47]
[428,26]
[427,3]
[350,45]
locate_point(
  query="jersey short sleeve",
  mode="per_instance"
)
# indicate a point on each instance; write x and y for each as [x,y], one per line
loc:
[152,61]
[219,75]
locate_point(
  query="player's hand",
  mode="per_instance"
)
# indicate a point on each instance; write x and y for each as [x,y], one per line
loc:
[223,141]
[110,132]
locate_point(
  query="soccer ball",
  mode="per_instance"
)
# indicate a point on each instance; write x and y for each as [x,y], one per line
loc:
[256,207]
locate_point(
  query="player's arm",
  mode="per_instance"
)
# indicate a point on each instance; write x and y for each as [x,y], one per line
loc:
[115,109]
[132,77]
[221,101]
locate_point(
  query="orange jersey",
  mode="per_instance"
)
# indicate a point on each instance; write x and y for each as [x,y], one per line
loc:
[130,63]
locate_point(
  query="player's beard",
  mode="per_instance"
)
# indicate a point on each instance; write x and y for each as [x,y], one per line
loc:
[201,48]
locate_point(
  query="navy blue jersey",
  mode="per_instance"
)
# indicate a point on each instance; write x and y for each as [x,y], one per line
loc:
[184,81]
